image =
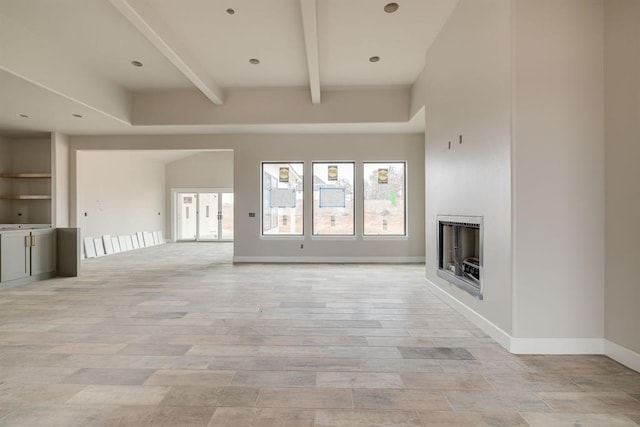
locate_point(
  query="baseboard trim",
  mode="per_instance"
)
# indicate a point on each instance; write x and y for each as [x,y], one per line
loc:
[487,326]
[622,355]
[328,260]
[27,280]
[538,345]
[556,346]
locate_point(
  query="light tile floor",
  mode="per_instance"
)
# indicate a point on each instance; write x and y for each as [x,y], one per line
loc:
[178,336]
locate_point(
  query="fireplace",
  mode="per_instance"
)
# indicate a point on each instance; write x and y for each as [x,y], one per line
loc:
[460,252]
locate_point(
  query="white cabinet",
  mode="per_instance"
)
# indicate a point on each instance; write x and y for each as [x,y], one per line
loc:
[27,253]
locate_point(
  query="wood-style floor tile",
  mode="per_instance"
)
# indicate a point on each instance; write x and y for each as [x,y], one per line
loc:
[582,420]
[178,335]
[480,419]
[263,417]
[366,418]
[415,400]
[305,398]
[109,376]
[606,402]
[202,378]
[359,380]
[119,395]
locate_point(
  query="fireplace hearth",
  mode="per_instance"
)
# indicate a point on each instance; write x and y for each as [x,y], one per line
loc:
[460,252]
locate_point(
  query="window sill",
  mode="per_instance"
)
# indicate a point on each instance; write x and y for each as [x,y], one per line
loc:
[385,237]
[337,237]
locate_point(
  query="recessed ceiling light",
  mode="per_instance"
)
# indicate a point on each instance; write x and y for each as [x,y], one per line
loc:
[391,7]
[254,61]
[136,63]
[231,11]
[24,116]
[374,59]
[79,116]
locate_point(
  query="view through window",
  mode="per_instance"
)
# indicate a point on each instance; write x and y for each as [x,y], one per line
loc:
[384,199]
[282,198]
[333,198]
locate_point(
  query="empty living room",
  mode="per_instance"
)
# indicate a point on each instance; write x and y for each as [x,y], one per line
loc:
[319,213]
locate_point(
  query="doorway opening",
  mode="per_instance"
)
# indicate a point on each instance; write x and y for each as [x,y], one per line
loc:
[203,215]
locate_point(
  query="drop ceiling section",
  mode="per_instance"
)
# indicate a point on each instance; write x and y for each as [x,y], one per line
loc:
[46,111]
[270,31]
[95,36]
[350,32]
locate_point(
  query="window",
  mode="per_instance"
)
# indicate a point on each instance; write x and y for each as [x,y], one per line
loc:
[333,199]
[282,199]
[384,199]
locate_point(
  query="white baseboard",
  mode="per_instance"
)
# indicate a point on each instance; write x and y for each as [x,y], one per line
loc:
[487,326]
[557,346]
[622,355]
[603,346]
[328,260]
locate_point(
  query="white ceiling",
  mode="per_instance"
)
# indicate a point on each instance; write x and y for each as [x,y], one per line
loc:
[74,56]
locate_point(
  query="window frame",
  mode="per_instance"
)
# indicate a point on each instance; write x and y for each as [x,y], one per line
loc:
[288,236]
[353,235]
[405,184]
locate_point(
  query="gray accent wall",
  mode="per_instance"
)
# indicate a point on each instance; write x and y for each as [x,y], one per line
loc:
[622,154]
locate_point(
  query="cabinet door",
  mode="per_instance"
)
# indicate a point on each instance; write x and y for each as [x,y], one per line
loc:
[15,256]
[43,251]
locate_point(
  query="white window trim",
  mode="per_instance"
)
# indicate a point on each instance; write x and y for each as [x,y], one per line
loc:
[404,236]
[304,180]
[353,236]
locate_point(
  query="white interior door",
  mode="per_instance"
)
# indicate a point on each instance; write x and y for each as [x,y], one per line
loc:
[226,216]
[208,223]
[186,216]
[204,215]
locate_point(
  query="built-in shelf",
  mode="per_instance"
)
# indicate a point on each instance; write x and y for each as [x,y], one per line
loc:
[25,175]
[26,196]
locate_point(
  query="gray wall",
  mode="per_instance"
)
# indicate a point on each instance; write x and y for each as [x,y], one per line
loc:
[250,149]
[558,169]
[468,92]
[60,180]
[208,169]
[356,148]
[522,81]
[622,80]
[5,184]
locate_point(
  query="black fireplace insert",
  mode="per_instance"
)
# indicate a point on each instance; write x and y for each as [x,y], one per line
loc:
[460,252]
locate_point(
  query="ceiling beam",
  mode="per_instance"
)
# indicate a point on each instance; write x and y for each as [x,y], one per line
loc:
[157,33]
[310,29]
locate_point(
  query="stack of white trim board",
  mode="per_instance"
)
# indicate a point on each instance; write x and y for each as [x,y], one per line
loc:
[108,245]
